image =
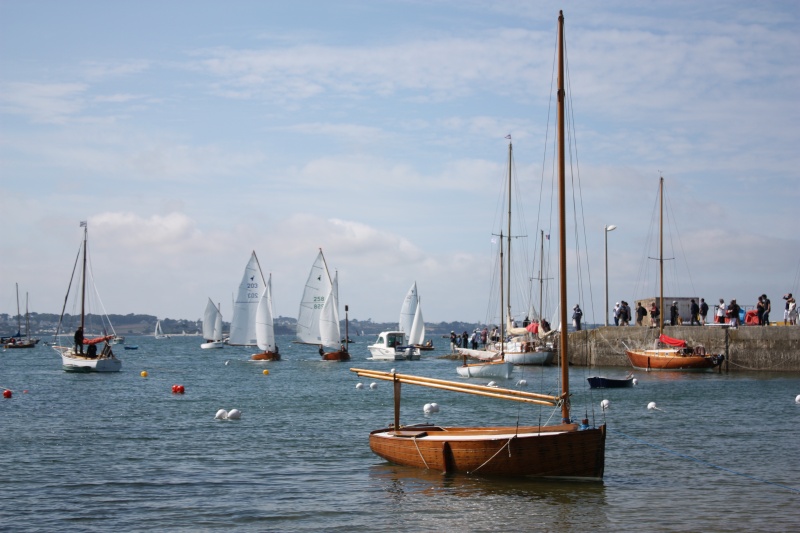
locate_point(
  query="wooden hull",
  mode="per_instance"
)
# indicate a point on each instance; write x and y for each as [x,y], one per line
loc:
[609,383]
[336,356]
[669,359]
[562,451]
[266,356]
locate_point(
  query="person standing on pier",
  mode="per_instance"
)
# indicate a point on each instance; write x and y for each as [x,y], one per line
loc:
[641,312]
[722,311]
[694,310]
[767,309]
[703,311]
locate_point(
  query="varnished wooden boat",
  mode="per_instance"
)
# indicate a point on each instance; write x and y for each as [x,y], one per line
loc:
[338,355]
[674,359]
[266,356]
[566,450]
[674,354]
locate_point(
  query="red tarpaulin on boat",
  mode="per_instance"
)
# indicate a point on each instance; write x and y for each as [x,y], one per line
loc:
[98,339]
[669,341]
[533,327]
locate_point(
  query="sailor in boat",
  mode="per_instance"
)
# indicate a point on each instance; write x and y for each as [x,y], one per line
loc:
[79,340]
[91,351]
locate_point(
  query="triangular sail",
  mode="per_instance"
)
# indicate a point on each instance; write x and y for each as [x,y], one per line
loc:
[243,324]
[416,334]
[265,330]
[408,310]
[212,322]
[329,331]
[318,287]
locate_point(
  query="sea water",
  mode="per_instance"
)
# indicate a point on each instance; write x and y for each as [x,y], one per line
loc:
[102,452]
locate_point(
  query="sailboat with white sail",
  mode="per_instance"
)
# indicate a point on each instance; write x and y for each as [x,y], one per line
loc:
[159,332]
[318,319]
[18,341]
[212,326]
[243,323]
[265,327]
[82,356]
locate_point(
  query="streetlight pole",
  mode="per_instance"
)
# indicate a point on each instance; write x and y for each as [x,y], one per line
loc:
[606,229]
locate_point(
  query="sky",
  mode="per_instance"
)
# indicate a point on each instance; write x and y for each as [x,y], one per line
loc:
[190,133]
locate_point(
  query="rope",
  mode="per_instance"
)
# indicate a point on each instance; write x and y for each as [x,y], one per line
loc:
[420,454]
[495,454]
[706,463]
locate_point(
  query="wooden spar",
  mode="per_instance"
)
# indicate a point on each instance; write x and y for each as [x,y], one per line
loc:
[480,390]
[562,225]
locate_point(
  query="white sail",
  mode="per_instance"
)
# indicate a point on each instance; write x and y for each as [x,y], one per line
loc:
[416,334]
[243,324]
[329,320]
[265,330]
[212,322]
[408,310]
[318,288]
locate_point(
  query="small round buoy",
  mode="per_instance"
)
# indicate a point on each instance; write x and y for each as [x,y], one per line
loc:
[174,389]
[265,372]
[359,386]
[234,414]
[605,404]
[435,407]
[427,409]
[6,393]
[222,414]
[635,381]
[391,371]
[651,406]
[796,400]
[373,386]
[522,383]
[181,390]
[143,373]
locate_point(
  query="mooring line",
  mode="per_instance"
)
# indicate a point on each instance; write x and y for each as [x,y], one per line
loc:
[706,463]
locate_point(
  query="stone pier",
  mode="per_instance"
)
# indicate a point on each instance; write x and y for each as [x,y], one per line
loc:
[767,348]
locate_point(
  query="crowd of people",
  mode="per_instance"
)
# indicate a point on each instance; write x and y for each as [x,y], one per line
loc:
[731,313]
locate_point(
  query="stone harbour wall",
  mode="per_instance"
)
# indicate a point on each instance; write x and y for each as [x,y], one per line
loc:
[767,348]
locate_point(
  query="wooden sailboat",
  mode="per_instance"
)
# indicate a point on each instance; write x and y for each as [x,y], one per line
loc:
[566,450]
[265,328]
[669,353]
[85,358]
[318,319]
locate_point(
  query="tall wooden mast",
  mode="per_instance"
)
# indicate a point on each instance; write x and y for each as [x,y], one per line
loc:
[562,229]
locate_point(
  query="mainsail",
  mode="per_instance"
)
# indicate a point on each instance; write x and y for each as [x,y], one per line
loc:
[317,290]
[243,324]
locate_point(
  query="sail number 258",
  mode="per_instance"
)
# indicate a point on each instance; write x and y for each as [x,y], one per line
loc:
[319,302]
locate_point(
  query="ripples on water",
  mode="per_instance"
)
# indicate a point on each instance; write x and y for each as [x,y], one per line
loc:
[102,452]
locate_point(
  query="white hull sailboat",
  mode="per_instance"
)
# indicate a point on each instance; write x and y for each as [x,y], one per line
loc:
[212,327]
[265,327]
[318,319]
[83,357]
[243,323]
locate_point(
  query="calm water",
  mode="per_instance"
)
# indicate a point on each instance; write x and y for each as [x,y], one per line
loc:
[118,451]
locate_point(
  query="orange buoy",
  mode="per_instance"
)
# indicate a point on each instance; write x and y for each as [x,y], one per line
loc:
[143,373]
[174,389]
[6,393]
[181,390]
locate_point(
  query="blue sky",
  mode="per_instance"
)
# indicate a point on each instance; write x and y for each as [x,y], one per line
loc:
[190,133]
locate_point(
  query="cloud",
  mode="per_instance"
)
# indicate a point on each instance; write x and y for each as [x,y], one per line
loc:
[43,102]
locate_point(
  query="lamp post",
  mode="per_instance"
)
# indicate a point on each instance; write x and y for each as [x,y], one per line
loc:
[611,227]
